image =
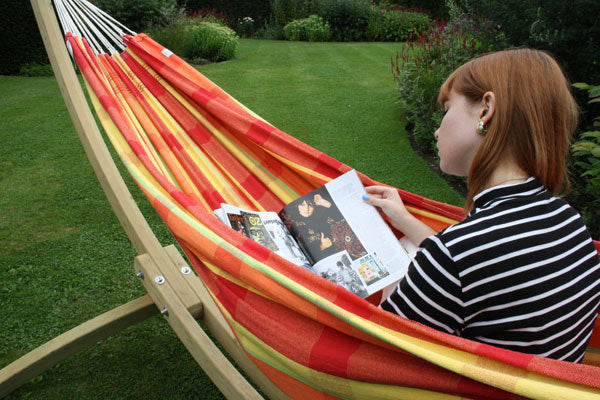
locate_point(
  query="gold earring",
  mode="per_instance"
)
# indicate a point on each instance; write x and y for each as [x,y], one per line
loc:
[480,128]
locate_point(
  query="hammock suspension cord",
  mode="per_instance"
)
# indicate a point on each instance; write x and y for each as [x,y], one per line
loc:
[81,18]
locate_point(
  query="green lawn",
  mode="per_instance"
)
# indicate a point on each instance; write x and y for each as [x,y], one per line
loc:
[64,258]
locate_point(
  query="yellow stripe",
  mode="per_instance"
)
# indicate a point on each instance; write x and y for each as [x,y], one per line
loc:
[431,215]
[331,384]
[271,181]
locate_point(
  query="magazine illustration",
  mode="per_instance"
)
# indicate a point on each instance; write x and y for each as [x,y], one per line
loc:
[332,232]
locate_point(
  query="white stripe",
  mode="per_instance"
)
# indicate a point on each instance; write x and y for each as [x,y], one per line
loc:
[576,347]
[540,329]
[531,299]
[432,303]
[558,320]
[444,250]
[524,268]
[521,252]
[508,224]
[475,221]
[433,284]
[562,346]
[508,239]
[417,310]
[483,192]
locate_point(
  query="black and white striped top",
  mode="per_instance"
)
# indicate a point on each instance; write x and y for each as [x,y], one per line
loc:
[520,272]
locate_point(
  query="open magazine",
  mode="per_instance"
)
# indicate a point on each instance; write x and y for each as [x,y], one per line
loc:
[331,232]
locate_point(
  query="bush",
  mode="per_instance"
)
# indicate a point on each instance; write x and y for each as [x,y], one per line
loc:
[138,15]
[197,41]
[348,19]
[313,29]
[285,11]
[585,169]
[396,26]
[210,41]
[235,10]
[421,67]
[20,37]
[436,8]
[568,29]
[246,27]
[35,69]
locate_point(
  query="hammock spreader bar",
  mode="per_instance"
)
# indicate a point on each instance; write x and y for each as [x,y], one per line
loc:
[189,145]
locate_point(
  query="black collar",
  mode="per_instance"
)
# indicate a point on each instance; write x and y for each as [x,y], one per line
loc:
[501,192]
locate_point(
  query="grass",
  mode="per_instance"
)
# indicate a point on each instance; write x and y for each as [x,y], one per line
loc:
[64,257]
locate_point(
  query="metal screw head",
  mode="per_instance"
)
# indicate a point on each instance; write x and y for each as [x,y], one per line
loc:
[159,280]
[140,274]
[165,312]
[186,270]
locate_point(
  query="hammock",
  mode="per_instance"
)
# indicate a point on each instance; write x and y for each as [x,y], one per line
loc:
[190,146]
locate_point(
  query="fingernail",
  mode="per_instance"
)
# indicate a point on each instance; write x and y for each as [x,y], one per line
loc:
[365,197]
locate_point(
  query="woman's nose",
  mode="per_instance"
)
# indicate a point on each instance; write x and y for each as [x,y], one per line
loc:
[436,134]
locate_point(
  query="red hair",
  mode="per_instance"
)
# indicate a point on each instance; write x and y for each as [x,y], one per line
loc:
[534,119]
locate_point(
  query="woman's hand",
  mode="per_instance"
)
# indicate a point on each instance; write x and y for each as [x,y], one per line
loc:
[389,201]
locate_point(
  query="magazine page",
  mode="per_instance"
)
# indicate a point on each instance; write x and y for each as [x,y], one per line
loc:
[346,239]
[265,228]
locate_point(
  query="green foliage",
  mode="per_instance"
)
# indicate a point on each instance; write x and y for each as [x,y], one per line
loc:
[35,69]
[312,29]
[348,19]
[568,29]
[422,67]
[198,40]
[138,15]
[585,168]
[436,8]
[285,11]
[210,41]
[20,37]
[235,10]
[396,26]
[245,27]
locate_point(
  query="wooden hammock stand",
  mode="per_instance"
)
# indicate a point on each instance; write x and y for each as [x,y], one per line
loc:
[173,289]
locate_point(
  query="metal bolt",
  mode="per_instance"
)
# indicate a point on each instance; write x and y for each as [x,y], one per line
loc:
[140,274]
[165,312]
[186,270]
[159,280]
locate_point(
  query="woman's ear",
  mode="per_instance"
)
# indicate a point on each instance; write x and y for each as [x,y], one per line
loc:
[488,103]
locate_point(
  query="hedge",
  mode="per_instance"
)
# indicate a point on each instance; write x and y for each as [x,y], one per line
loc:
[20,37]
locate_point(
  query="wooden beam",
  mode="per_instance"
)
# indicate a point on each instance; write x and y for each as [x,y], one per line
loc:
[217,325]
[79,338]
[218,368]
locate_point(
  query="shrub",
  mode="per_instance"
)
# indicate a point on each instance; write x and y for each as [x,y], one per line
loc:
[210,41]
[35,69]
[285,11]
[20,37]
[348,19]
[585,169]
[568,29]
[246,27]
[396,26]
[313,29]
[138,15]
[422,66]
[210,15]
[174,37]
[235,10]
[436,8]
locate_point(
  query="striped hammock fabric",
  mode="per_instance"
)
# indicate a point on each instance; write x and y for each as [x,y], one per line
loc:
[190,146]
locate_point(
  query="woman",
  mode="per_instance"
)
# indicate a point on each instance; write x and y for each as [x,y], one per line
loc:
[521,271]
